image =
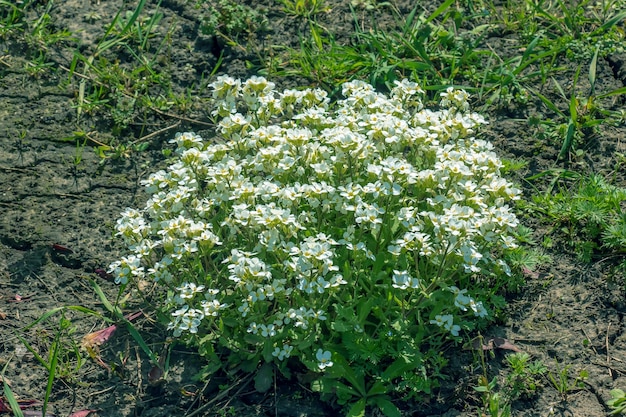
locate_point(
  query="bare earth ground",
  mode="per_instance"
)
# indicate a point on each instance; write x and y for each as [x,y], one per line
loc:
[59,205]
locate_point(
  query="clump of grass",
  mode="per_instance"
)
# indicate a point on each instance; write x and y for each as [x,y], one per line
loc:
[304,8]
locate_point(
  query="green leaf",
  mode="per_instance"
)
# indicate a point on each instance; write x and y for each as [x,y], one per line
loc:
[35,354]
[8,394]
[15,407]
[357,409]
[549,104]
[592,70]
[331,386]
[609,23]
[615,92]
[399,366]
[573,109]
[377,389]
[52,312]
[364,308]
[568,141]
[131,329]
[340,326]
[387,407]
[439,11]
[264,377]
[341,369]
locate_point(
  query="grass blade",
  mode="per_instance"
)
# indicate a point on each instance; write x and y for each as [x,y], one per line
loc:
[15,407]
[52,312]
[615,92]
[549,104]
[36,355]
[103,46]
[569,139]
[609,23]
[54,355]
[131,329]
[592,71]
[8,394]
[444,6]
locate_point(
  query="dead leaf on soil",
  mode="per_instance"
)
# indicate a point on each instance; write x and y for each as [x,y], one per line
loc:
[3,315]
[82,413]
[29,413]
[5,407]
[529,273]
[156,376]
[491,343]
[501,343]
[92,341]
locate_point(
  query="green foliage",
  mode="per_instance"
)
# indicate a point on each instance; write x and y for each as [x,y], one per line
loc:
[8,394]
[617,402]
[522,381]
[229,18]
[417,45]
[577,126]
[447,47]
[494,402]
[31,21]
[11,17]
[564,383]
[321,233]
[304,8]
[128,91]
[64,358]
[525,376]
[580,28]
[587,213]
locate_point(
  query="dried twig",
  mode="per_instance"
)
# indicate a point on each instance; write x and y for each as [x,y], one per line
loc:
[608,355]
[243,382]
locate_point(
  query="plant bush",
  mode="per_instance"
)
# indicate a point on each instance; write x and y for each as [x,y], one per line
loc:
[349,240]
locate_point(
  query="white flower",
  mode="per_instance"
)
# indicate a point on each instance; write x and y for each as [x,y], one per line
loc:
[211,308]
[189,289]
[446,321]
[323,359]
[253,328]
[186,319]
[268,330]
[461,300]
[282,353]
[402,280]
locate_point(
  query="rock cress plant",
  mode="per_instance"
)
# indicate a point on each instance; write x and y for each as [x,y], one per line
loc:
[330,235]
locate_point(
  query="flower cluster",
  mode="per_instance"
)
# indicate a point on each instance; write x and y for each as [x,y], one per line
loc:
[273,232]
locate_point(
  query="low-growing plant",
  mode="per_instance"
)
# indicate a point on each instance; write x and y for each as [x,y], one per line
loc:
[524,378]
[13,405]
[11,17]
[589,213]
[494,402]
[304,8]
[350,239]
[229,19]
[617,403]
[563,382]
[62,358]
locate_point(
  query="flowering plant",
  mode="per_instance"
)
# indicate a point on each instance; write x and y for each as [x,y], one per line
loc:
[353,238]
